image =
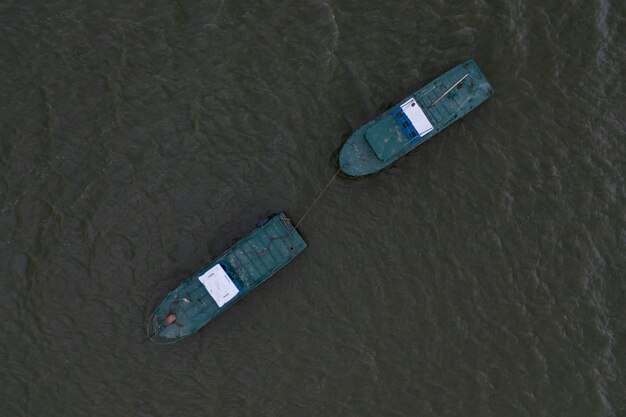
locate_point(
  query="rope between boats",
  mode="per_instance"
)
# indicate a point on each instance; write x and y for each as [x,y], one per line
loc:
[317,199]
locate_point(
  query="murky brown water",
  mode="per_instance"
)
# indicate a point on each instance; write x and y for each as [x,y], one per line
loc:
[482,275]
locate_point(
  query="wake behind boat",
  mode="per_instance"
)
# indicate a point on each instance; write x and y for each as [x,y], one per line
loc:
[226,279]
[414,120]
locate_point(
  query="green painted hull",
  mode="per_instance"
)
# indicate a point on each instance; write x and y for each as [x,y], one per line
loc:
[248,263]
[380,142]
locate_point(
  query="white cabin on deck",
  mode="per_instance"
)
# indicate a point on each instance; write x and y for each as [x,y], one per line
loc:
[417,117]
[219,285]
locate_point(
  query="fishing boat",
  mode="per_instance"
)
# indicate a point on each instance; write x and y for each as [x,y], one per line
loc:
[414,120]
[225,280]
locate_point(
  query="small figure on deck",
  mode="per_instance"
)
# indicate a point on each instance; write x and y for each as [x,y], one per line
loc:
[171,318]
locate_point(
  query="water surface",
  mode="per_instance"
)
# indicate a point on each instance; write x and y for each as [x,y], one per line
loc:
[481,275]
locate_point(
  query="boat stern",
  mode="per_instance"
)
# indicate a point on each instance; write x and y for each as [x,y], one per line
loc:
[357,158]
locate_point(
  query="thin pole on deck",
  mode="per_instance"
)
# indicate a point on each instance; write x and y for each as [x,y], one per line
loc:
[449,89]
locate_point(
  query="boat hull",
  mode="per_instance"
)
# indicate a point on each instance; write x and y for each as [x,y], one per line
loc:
[446,99]
[225,280]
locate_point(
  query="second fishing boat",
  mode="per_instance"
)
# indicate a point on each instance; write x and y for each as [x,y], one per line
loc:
[226,279]
[414,120]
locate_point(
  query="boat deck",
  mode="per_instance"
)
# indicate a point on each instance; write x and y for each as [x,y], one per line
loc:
[444,100]
[265,251]
[247,263]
